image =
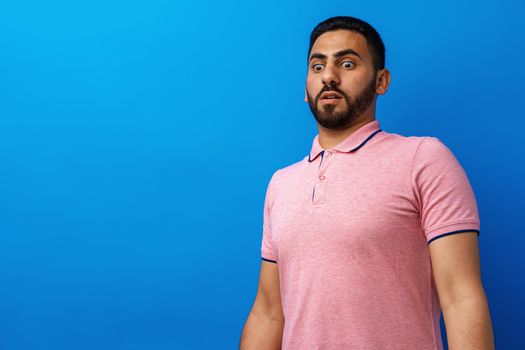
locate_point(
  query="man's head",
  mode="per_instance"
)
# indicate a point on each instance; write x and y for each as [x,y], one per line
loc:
[346,61]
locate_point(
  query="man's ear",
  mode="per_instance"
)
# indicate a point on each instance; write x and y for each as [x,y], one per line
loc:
[305,96]
[383,81]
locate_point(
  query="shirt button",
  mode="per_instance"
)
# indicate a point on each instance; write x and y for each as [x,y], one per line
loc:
[322,177]
[328,154]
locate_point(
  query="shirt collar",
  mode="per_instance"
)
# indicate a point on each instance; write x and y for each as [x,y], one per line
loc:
[352,143]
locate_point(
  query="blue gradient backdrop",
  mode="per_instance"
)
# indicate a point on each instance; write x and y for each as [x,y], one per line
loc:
[137,140]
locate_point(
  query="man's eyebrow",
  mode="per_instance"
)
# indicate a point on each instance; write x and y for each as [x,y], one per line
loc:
[336,55]
[346,52]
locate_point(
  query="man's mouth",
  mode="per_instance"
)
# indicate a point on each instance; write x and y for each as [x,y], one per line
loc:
[330,98]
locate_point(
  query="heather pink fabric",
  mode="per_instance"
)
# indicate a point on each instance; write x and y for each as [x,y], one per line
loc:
[350,229]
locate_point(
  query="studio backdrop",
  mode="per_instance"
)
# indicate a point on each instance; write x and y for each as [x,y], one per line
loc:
[137,139]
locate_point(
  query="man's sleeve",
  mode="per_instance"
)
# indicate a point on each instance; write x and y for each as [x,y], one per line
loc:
[268,251]
[446,201]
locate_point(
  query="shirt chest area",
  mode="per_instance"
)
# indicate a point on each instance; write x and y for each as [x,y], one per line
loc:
[342,201]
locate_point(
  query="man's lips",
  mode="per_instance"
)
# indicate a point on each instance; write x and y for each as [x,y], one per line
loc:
[330,97]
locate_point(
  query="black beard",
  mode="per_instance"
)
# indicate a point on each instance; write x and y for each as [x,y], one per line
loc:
[329,119]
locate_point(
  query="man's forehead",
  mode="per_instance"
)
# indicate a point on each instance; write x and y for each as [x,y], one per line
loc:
[337,40]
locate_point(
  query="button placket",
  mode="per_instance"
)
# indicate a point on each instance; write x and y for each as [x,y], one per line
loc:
[318,192]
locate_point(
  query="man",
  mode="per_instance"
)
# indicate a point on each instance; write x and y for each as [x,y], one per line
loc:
[369,237]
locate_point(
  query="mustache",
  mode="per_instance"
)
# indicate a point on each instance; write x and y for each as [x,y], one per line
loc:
[331,87]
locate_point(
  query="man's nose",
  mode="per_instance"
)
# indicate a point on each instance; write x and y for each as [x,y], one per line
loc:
[330,76]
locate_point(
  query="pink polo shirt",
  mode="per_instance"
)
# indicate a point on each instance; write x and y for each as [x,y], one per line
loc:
[349,228]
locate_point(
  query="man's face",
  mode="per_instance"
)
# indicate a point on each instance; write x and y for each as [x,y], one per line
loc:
[341,80]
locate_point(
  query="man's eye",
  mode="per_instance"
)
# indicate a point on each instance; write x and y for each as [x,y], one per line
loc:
[317,67]
[348,64]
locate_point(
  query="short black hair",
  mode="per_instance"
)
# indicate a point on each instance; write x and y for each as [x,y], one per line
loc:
[374,41]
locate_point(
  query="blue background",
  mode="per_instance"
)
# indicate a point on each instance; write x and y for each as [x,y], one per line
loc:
[137,140]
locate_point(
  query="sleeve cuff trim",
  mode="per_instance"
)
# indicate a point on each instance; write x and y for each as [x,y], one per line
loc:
[453,232]
[272,261]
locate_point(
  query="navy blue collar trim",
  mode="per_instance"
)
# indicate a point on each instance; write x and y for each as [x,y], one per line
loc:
[355,148]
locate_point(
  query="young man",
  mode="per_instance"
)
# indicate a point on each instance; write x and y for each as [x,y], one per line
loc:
[370,236]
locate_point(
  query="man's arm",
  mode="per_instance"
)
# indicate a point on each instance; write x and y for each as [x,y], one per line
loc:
[264,327]
[456,269]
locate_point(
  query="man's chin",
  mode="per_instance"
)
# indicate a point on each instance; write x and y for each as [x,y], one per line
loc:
[332,114]
[330,123]
[335,119]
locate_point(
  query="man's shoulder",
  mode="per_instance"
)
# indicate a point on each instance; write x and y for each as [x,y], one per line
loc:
[421,150]
[392,139]
[291,172]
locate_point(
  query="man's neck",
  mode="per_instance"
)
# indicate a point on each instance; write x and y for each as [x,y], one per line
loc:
[329,138]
